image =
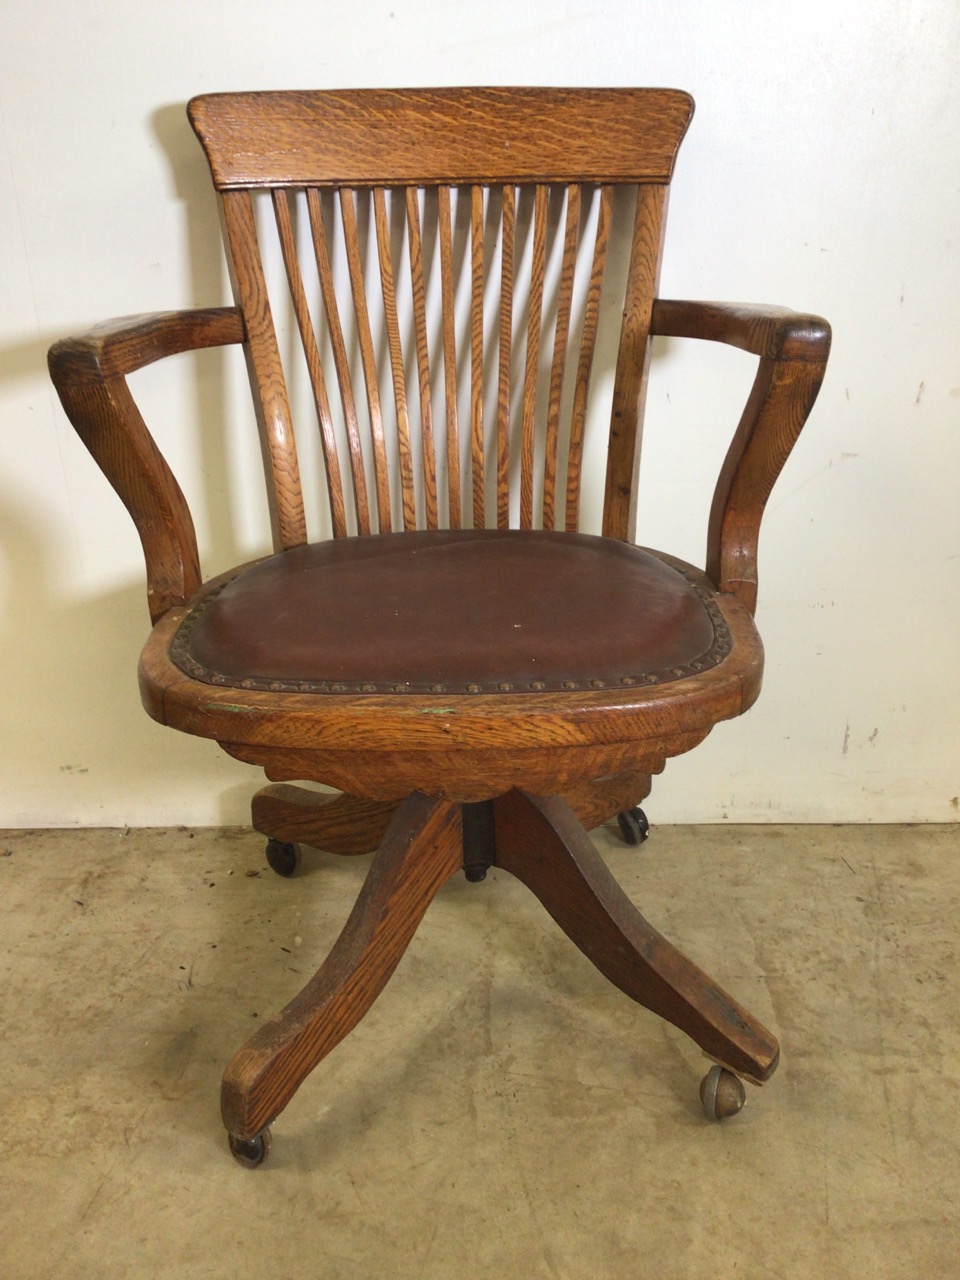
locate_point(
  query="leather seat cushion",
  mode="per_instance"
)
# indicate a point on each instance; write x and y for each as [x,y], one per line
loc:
[465,611]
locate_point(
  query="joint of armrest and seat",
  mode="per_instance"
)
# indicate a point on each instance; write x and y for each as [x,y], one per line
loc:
[89,373]
[793,349]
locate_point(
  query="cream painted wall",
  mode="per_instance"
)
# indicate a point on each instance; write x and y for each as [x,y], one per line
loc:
[822,171]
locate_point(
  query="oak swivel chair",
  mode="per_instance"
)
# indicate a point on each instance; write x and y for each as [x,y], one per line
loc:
[480,680]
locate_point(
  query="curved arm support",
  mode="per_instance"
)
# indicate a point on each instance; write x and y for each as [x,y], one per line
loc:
[793,350]
[89,375]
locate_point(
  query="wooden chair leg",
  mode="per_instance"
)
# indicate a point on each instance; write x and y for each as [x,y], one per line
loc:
[422,848]
[542,843]
[342,824]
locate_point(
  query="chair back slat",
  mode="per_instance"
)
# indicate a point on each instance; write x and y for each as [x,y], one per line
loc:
[308,337]
[591,323]
[341,359]
[471,294]
[531,365]
[558,365]
[278,444]
[387,279]
[633,359]
[508,211]
[448,324]
[368,360]
[418,299]
[476,356]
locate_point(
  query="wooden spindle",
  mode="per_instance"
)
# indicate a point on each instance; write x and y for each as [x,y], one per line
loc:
[591,321]
[557,368]
[404,452]
[508,225]
[291,261]
[476,355]
[633,359]
[341,361]
[528,420]
[418,289]
[351,238]
[448,307]
[277,441]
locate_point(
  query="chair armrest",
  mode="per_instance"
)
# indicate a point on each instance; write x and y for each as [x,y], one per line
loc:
[774,332]
[793,349]
[89,375]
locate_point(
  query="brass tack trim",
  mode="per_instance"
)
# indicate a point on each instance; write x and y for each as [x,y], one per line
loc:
[719,650]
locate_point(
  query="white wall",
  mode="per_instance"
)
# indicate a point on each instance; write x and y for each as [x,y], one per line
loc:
[822,171]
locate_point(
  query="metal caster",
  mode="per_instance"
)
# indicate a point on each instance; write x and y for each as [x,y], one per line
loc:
[283,857]
[633,825]
[250,1152]
[722,1094]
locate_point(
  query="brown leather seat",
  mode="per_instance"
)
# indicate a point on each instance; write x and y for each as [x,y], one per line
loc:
[453,611]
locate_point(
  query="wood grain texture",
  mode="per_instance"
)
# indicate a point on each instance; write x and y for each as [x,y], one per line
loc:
[793,350]
[596,800]
[349,825]
[341,358]
[558,364]
[422,848]
[541,842]
[467,775]
[395,343]
[588,341]
[448,136]
[118,347]
[775,332]
[341,824]
[450,380]
[88,373]
[452,174]
[368,359]
[783,394]
[277,440]
[546,442]
[477,462]
[531,367]
[633,363]
[772,418]
[308,337]
[508,220]
[418,294]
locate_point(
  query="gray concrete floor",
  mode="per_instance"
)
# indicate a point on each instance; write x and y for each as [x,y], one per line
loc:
[502,1111]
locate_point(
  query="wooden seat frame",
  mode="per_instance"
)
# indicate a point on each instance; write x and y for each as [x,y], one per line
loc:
[435,784]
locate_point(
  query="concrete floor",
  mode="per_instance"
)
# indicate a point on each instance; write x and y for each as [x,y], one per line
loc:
[502,1111]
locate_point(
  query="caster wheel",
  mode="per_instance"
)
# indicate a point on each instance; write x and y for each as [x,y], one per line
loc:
[722,1094]
[634,826]
[250,1152]
[283,857]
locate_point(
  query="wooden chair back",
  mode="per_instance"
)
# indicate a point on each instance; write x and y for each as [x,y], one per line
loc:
[439,262]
